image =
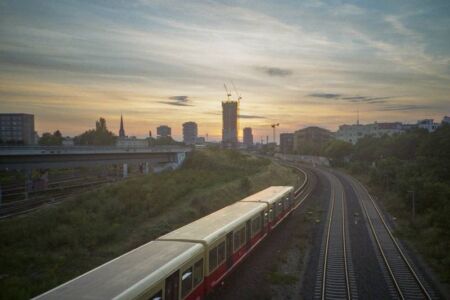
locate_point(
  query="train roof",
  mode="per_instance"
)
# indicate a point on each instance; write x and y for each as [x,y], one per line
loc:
[216,225]
[129,275]
[269,195]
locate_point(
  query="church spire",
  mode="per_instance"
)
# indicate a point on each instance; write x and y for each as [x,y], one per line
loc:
[121,130]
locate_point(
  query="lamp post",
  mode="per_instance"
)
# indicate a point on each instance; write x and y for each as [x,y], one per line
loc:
[413,212]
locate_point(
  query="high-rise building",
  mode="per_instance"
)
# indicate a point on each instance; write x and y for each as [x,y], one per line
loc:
[17,129]
[121,130]
[248,137]
[286,143]
[163,131]
[229,119]
[190,132]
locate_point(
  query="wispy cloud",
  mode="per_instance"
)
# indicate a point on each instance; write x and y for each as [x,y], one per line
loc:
[177,101]
[251,117]
[276,72]
[366,99]
[404,107]
[325,95]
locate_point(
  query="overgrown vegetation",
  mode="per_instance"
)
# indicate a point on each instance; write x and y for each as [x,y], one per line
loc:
[57,243]
[398,168]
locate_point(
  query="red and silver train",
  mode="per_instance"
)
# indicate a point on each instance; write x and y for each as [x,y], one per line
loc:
[187,263]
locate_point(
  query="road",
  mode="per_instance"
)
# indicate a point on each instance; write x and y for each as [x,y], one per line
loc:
[351,251]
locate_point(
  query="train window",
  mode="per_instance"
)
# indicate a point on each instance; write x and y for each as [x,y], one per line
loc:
[236,240]
[256,225]
[198,272]
[156,296]
[266,217]
[272,212]
[221,252]
[186,282]
[239,238]
[212,259]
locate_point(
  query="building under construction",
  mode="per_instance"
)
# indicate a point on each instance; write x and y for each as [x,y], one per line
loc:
[230,123]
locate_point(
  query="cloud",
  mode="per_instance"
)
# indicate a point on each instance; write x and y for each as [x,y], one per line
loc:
[367,99]
[180,98]
[404,107]
[251,117]
[277,72]
[177,101]
[325,95]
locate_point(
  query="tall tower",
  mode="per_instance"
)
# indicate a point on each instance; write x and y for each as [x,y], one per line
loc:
[230,126]
[248,137]
[190,133]
[121,130]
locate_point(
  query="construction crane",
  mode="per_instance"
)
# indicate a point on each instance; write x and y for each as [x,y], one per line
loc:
[237,93]
[228,92]
[273,127]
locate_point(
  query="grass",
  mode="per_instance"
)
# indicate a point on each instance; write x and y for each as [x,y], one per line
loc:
[46,248]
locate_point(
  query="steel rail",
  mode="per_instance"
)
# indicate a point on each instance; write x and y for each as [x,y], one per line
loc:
[403,256]
[344,241]
[380,247]
[335,263]
[327,241]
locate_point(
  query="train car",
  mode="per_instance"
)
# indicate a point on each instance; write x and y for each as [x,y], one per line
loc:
[279,200]
[189,262]
[169,270]
[228,234]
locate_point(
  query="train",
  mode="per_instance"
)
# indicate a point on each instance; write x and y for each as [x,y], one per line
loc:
[189,262]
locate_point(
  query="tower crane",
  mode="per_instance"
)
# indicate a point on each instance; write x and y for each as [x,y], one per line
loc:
[273,127]
[236,91]
[228,92]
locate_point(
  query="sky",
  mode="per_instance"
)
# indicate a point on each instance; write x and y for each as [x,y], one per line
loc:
[297,63]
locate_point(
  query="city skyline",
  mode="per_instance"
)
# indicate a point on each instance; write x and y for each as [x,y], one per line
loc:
[306,64]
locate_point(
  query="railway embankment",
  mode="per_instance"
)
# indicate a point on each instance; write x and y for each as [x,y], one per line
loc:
[52,245]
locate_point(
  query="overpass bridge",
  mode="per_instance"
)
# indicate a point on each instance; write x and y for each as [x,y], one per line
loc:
[29,158]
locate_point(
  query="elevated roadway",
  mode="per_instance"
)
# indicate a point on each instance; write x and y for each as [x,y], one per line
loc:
[29,158]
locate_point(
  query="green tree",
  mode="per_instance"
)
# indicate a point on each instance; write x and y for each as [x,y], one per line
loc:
[100,136]
[49,139]
[338,150]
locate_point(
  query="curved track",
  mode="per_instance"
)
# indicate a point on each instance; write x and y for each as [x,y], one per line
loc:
[408,283]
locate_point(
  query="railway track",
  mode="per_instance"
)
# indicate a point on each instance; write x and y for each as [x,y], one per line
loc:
[335,277]
[407,282]
[14,208]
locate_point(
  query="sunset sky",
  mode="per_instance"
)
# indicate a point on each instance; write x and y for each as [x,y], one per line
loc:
[297,63]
